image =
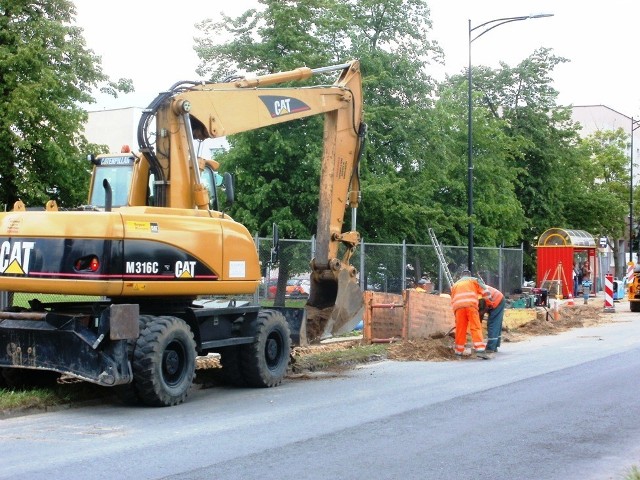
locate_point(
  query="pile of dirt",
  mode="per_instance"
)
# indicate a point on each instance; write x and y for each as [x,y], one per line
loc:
[422,349]
[549,321]
[325,347]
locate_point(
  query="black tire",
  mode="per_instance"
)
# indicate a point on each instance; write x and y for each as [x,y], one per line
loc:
[634,306]
[164,362]
[264,362]
[127,393]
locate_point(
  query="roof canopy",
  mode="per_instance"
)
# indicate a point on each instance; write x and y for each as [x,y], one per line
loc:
[559,237]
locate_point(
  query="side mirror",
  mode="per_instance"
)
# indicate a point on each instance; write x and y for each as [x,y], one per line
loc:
[228,188]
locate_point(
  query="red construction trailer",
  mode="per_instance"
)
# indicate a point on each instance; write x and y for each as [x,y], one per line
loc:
[559,251]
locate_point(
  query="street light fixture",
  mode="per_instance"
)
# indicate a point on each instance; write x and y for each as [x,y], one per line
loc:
[478,31]
[635,124]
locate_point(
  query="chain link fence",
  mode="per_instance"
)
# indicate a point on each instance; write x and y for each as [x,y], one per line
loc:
[390,268]
[383,267]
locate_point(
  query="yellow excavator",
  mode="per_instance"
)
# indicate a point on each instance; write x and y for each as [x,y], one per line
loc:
[154,239]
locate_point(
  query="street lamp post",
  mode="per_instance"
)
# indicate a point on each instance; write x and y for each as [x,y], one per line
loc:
[635,124]
[475,33]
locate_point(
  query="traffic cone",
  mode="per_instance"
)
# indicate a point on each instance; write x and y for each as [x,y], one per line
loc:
[570,302]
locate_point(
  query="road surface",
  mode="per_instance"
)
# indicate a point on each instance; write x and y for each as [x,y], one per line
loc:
[555,407]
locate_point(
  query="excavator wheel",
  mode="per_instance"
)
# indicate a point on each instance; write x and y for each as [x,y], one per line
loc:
[634,306]
[127,393]
[264,362]
[164,362]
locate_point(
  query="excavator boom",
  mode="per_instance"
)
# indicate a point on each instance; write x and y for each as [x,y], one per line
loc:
[215,110]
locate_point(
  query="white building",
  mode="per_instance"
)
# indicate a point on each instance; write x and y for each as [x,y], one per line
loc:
[593,118]
[114,128]
[117,127]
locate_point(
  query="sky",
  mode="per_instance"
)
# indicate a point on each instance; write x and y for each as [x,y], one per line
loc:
[151,42]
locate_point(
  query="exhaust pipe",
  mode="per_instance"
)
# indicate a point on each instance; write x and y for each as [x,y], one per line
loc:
[108,195]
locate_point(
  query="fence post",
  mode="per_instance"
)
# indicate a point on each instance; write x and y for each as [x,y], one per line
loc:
[501,268]
[522,266]
[440,273]
[403,282]
[362,271]
[256,294]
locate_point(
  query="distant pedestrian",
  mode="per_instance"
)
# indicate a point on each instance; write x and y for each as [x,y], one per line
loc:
[422,286]
[586,287]
[464,300]
[579,276]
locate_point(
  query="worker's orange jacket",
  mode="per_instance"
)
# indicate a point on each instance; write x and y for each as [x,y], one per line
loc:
[493,297]
[465,293]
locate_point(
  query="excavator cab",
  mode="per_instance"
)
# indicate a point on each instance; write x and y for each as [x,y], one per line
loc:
[117,170]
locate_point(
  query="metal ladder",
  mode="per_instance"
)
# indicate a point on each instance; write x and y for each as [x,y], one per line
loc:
[441,259]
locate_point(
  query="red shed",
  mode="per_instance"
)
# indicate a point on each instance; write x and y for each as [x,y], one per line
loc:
[559,250]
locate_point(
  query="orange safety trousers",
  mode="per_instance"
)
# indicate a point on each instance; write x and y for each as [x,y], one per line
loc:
[468,317]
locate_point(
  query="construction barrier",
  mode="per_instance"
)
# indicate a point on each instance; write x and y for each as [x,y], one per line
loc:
[629,272]
[411,315]
[608,293]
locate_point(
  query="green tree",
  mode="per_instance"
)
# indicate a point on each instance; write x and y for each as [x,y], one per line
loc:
[600,194]
[46,73]
[390,39]
[542,142]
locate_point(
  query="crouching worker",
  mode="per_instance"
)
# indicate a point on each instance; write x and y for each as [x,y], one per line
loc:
[464,300]
[495,304]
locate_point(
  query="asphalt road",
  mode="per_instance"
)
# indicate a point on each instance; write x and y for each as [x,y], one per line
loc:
[556,407]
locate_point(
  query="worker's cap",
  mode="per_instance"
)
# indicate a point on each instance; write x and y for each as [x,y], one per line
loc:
[466,273]
[422,281]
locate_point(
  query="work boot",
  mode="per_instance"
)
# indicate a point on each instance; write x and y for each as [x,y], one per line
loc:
[484,354]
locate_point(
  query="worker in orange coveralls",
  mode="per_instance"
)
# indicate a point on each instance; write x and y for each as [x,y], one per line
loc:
[464,300]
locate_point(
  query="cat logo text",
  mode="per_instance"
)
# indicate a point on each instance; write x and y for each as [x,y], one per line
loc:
[14,257]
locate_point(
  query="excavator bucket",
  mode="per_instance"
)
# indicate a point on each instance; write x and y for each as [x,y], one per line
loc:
[347,312]
[334,307]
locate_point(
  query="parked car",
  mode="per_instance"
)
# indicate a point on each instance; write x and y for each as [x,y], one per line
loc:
[296,288]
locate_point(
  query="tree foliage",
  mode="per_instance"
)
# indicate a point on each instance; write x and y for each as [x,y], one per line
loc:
[46,72]
[530,169]
[389,39]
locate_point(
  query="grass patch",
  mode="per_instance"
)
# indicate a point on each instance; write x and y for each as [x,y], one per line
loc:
[43,397]
[22,299]
[633,474]
[25,399]
[339,358]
